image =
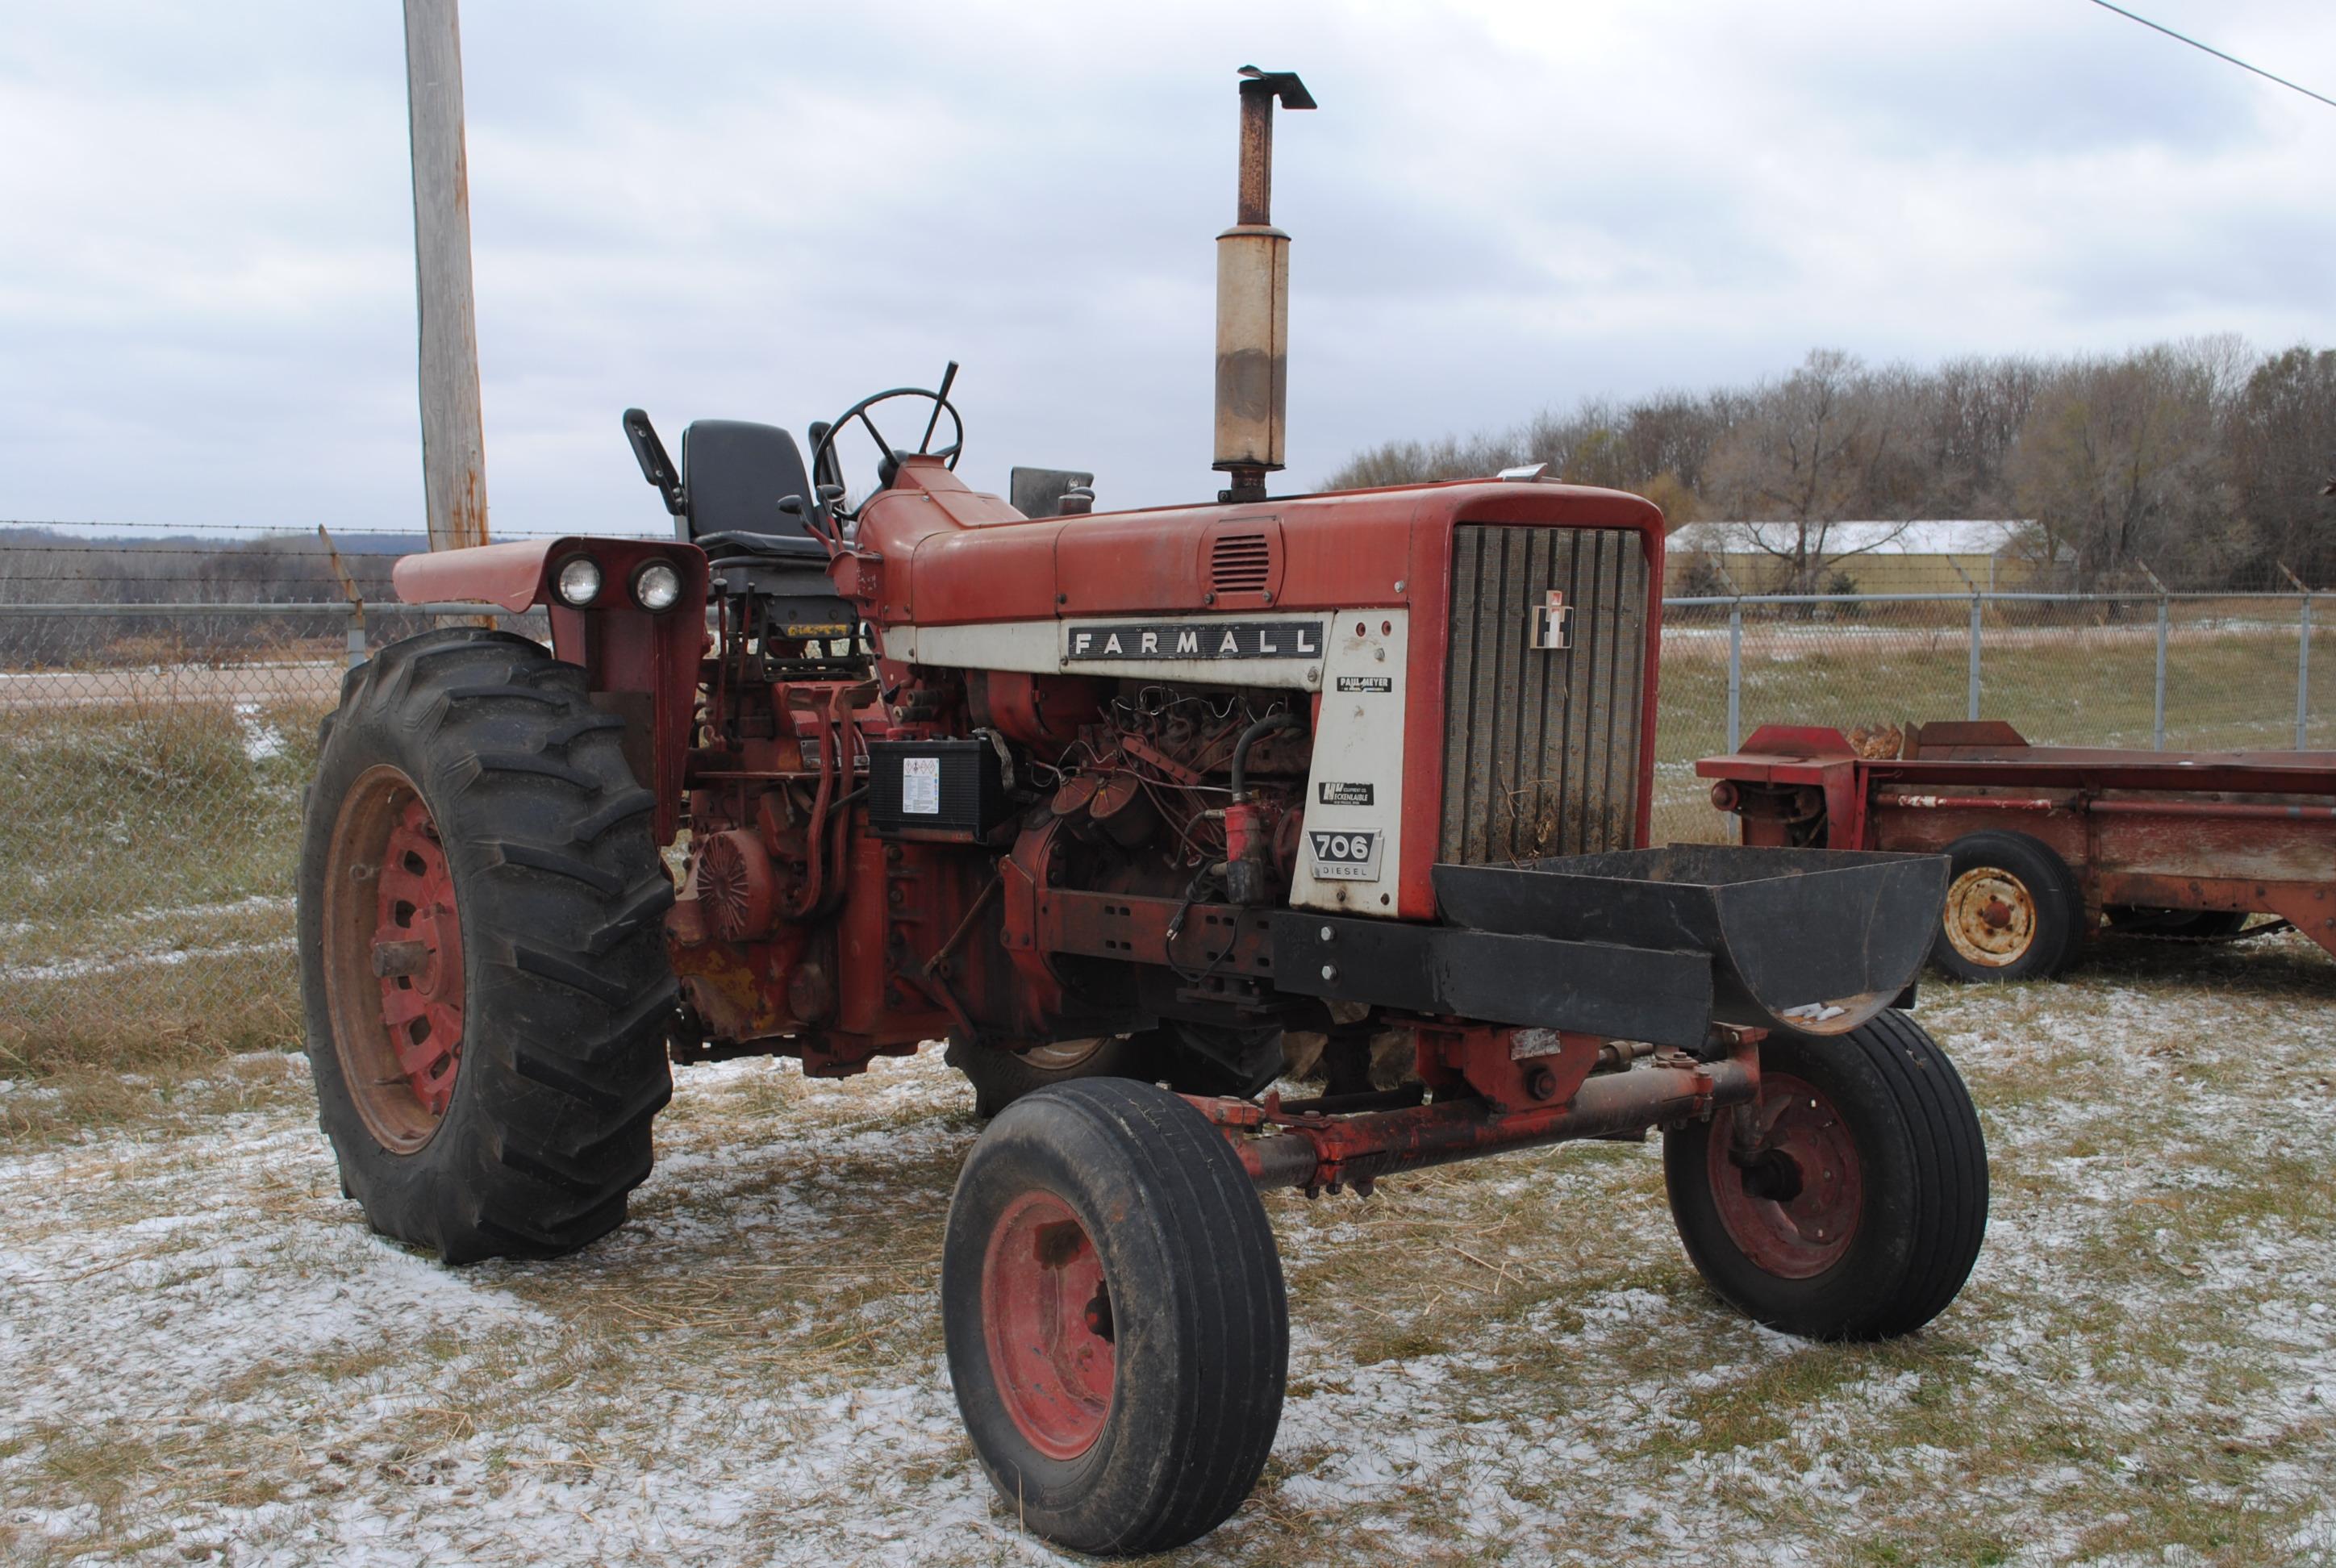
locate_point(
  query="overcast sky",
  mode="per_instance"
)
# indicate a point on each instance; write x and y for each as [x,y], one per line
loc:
[761,211]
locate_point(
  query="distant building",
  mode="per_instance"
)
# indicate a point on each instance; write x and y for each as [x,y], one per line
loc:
[1864,557]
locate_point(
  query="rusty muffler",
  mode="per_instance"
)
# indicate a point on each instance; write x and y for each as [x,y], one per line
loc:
[1253,299]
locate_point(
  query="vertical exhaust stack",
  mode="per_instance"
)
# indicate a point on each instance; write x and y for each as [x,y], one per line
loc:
[1253,299]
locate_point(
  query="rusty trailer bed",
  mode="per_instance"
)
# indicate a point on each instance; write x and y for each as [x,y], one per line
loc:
[2239,832]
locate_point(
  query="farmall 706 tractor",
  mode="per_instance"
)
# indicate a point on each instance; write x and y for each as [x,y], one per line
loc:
[1110,803]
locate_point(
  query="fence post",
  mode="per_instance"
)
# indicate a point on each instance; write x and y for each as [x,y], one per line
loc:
[2157,711]
[1970,703]
[1973,704]
[2157,698]
[2302,658]
[357,633]
[1735,673]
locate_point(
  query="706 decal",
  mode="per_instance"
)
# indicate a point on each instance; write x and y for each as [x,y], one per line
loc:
[1343,856]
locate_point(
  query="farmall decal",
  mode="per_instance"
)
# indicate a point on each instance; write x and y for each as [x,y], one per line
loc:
[1344,857]
[1202,639]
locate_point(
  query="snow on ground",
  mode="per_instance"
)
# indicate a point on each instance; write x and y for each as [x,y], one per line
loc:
[204,1355]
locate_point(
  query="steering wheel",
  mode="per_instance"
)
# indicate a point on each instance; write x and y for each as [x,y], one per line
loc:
[825,447]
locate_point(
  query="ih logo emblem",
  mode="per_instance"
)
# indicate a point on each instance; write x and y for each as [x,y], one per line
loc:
[1552,620]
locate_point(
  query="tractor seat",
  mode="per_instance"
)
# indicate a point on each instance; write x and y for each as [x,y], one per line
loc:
[734,544]
[736,474]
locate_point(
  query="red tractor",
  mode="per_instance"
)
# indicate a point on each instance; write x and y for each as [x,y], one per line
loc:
[1111,802]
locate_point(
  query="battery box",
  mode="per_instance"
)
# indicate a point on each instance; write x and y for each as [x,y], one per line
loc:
[949,790]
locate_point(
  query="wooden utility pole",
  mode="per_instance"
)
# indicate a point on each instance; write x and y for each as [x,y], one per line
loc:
[453,444]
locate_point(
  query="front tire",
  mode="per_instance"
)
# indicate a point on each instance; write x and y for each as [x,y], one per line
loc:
[1118,1334]
[483,971]
[1865,1213]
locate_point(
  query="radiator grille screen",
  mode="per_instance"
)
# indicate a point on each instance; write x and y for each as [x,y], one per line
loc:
[1540,746]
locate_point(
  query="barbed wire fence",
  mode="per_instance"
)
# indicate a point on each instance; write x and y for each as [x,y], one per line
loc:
[153,751]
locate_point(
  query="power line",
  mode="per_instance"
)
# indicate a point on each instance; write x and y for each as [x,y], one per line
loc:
[2217,53]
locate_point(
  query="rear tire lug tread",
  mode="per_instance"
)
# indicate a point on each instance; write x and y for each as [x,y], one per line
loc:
[566,1071]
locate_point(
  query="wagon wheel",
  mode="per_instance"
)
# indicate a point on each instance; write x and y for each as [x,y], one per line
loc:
[2013,910]
[1118,1334]
[1859,1213]
[483,965]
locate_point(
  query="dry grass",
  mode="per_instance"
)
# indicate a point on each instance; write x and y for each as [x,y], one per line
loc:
[1508,1361]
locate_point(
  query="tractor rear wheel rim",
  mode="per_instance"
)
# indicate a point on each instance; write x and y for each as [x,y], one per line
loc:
[1046,1315]
[1799,1235]
[1990,917]
[393,959]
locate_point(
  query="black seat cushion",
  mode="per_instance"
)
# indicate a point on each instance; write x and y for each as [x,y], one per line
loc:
[736,473]
[764,546]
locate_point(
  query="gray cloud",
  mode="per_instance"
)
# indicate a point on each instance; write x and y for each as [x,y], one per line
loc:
[206,299]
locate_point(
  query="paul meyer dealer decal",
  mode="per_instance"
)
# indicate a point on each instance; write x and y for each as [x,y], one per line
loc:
[1344,857]
[1209,639]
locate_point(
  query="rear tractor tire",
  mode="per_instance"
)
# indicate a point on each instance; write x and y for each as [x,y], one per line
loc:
[1864,1213]
[483,960]
[1118,1334]
[2013,909]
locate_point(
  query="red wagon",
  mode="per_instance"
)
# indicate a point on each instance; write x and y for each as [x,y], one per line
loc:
[2050,843]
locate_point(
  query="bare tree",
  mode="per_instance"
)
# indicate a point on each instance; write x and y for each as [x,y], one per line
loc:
[1813,451]
[2282,441]
[2119,463]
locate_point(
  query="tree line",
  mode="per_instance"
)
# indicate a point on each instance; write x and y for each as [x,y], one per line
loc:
[2201,461]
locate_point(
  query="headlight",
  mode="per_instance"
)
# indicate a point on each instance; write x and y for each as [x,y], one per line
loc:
[578,582]
[657,586]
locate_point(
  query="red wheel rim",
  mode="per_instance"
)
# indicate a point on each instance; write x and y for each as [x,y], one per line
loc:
[420,994]
[393,960]
[1046,1312]
[1794,1211]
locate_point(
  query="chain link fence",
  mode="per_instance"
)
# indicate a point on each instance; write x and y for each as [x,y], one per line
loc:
[153,759]
[2179,671]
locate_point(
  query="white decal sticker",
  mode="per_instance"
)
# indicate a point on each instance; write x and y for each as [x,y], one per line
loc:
[1344,857]
[920,786]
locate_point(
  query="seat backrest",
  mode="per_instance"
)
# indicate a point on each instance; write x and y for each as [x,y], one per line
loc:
[735,471]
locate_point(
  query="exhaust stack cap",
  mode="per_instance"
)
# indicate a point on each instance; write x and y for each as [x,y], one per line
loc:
[1253,298]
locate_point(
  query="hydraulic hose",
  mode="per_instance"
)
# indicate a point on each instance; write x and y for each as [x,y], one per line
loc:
[1249,737]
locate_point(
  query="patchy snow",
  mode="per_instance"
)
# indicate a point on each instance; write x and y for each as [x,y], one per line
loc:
[203,1351]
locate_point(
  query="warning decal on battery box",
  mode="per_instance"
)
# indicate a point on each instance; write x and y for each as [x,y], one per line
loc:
[1344,857]
[920,786]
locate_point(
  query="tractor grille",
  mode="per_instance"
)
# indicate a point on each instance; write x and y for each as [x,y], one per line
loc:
[1540,746]
[1240,563]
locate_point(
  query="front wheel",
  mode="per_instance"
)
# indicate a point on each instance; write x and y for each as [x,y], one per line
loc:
[1118,1334]
[1861,1211]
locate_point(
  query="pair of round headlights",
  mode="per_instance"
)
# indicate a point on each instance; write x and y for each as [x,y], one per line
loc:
[656,584]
